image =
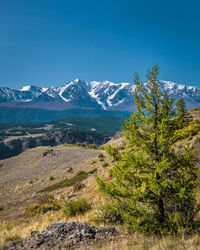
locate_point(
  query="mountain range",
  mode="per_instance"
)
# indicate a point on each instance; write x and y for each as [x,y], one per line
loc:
[90,95]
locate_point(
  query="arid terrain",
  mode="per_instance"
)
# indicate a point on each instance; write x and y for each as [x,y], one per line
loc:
[21,177]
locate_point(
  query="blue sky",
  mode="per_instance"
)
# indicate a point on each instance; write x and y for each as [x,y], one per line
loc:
[50,42]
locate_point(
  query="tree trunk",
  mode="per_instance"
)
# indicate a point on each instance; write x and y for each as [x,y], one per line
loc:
[161,209]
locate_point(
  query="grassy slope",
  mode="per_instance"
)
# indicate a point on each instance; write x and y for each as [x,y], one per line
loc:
[32,166]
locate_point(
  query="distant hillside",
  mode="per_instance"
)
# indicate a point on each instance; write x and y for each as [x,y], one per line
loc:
[41,115]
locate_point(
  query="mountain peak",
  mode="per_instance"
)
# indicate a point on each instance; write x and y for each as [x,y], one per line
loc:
[102,95]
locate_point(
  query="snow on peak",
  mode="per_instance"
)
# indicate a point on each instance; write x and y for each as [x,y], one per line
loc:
[107,94]
[77,80]
[44,89]
[26,88]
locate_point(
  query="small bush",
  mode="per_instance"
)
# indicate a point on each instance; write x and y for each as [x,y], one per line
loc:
[70,170]
[92,171]
[110,214]
[93,162]
[81,144]
[192,129]
[76,207]
[51,178]
[101,156]
[1,208]
[41,208]
[104,164]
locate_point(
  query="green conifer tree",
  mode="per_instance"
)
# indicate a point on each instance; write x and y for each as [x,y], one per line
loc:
[182,116]
[152,185]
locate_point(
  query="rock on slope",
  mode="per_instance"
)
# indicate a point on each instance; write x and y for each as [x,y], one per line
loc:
[64,235]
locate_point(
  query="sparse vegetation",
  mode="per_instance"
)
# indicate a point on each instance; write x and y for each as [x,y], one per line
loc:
[92,171]
[42,208]
[70,170]
[104,164]
[1,208]
[101,156]
[51,178]
[80,176]
[76,207]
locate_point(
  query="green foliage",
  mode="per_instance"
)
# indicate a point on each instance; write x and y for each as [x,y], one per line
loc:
[92,146]
[152,185]
[101,156]
[80,176]
[81,144]
[51,178]
[182,116]
[104,164]
[94,170]
[187,132]
[76,207]
[1,208]
[109,213]
[113,152]
[42,207]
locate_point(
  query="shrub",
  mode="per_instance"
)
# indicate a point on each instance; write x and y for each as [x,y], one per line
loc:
[76,207]
[93,162]
[101,156]
[1,208]
[92,146]
[43,208]
[81,144]
[110,214]
[70,170]
[104,164]
[192,129]
[51,178]
[92,171]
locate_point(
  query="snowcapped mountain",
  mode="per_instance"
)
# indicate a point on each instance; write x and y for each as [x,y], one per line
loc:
[94,95]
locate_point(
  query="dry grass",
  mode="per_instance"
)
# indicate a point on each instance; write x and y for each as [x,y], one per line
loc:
[141,242]
[21,227]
